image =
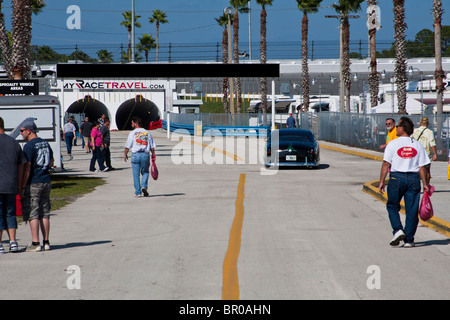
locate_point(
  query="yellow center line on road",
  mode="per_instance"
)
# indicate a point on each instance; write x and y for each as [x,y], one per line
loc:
[230,282]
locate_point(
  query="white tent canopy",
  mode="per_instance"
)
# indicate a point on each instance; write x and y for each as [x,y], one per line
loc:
[412,106]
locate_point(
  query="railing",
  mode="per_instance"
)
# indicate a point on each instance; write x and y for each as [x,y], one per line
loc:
[367,131]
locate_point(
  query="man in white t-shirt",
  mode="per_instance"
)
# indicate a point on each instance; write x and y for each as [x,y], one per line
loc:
[407,159]
[141,143]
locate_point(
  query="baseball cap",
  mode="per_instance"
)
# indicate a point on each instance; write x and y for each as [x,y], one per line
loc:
[424,120]
[29,124]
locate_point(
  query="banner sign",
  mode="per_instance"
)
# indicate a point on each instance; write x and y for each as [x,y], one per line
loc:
[19,87]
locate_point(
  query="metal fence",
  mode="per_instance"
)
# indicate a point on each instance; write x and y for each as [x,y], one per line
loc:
[367,131]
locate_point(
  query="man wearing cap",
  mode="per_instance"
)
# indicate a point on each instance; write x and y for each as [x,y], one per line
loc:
[36,184]
[426,137]
[11,170]
[290,122]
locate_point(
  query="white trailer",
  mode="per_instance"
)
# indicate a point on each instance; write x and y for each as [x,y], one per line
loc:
[46,113]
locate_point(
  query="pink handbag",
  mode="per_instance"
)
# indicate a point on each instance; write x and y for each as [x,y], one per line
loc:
[426,208]
[154,170]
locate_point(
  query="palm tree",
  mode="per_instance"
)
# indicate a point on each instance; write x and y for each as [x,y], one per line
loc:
[439,73]
[344,8]
[306,6]
[104,56]
[146,43]
[223,22]
[127,15]
[263,51]
[400,54]
[237,5]
[16,53]
[374,77]
[158,17]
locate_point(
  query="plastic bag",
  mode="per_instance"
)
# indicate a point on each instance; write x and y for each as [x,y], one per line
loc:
[426,208]
[154,170]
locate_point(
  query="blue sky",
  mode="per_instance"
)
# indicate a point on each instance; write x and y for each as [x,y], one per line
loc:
[193,22]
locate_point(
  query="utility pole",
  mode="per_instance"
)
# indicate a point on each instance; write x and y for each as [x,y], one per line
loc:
[132,32]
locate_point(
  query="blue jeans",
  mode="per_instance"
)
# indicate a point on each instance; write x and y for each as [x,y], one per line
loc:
[68,137]
[407,186]
[8,218]
[140,163]
[97,155]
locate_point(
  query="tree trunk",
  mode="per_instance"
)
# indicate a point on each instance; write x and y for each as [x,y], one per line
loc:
[305,68]
[5,46]
[225,61]
[374,78]
[157,41]
[236,60]
[400,52]
[346,61]
[21,29]
[439,73]
[263,59]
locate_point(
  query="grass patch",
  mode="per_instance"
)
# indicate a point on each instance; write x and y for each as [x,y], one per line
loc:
[66,189]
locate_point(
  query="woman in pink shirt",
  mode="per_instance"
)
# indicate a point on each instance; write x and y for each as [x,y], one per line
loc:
[97,143]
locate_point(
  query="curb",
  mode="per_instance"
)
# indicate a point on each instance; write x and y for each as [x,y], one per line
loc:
[434,223]
[355,153]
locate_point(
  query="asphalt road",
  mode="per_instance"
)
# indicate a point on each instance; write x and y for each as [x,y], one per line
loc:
[232,231]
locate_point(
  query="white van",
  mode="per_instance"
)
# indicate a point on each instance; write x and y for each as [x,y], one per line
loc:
[44,110]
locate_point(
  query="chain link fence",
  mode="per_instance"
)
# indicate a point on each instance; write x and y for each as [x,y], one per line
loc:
[366,131]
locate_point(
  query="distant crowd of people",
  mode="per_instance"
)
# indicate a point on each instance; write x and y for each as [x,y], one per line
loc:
[25,172]
[96,139]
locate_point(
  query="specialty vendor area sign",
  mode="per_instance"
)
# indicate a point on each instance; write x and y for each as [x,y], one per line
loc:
[19,87]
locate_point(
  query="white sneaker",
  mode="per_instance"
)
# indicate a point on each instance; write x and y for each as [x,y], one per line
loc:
[398,236]
[409,245]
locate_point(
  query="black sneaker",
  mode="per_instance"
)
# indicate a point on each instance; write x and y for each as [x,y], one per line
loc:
[144,192]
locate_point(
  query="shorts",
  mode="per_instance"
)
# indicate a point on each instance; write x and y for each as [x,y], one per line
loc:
[36,202]
[8,218]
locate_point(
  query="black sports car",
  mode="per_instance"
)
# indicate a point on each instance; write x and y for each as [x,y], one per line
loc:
[292,147]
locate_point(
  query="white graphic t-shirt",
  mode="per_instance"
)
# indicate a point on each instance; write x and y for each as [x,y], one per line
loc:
[140,140]
[405,155]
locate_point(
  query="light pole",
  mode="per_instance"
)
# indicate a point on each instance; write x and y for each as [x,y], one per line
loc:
[313,82]
[132,31]
[228,11]
[393,94]
[362,95]
[411,71]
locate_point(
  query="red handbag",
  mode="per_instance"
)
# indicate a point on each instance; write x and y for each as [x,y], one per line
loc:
[426,207]
[154,170]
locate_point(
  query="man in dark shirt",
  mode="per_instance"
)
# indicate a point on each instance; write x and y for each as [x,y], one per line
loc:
[104,130]
[37,185]
[85,129]
[11,171]
[290,122]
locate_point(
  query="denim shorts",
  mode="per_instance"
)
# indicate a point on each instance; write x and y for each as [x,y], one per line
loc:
[36,202]
[8,218]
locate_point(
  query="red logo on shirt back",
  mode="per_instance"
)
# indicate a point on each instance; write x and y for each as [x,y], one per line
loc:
[407,152]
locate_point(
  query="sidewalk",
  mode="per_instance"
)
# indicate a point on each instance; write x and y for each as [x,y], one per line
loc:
[440,198]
